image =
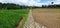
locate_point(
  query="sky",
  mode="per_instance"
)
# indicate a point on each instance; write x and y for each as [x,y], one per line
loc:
[31,2]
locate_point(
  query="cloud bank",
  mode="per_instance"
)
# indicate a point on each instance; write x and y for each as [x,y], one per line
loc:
[31,2]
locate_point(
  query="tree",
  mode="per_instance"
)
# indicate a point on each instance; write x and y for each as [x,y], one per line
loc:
[52,2]
[0,5]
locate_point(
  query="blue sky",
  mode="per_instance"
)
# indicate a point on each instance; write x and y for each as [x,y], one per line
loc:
[31,2]
[44,1]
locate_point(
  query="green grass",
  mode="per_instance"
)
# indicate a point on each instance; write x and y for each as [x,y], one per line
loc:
[9,18]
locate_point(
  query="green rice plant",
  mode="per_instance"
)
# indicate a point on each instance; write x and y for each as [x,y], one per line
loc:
[9,18]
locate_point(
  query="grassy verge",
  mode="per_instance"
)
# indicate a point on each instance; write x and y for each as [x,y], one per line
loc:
[9,18]
[24,20]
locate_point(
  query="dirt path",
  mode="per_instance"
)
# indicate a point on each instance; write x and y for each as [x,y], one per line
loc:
[19,24]
[30,23]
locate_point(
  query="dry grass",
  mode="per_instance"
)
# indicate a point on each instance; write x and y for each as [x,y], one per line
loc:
[48,17]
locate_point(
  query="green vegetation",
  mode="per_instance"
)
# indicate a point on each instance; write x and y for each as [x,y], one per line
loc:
[10,18]
[12,6]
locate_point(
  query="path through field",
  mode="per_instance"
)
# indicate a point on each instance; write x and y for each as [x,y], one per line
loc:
[30,23]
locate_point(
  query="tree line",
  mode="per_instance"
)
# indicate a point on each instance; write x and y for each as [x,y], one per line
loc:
[11,6]
[17,6]
[51,6]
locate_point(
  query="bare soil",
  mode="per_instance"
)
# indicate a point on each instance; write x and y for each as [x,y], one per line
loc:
[48,17]
[20,23]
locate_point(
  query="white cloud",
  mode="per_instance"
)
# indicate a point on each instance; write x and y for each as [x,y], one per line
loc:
[57,2]
[29,2]
[26,2]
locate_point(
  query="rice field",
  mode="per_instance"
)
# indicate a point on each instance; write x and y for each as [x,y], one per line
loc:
[9,18]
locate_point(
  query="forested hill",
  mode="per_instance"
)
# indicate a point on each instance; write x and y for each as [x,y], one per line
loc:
[11,6]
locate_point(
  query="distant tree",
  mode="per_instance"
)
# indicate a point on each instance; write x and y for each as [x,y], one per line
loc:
[52,2]
[42,6]
[0,5]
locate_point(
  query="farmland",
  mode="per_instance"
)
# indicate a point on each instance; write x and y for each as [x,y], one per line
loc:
[49,17]
[9,18]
